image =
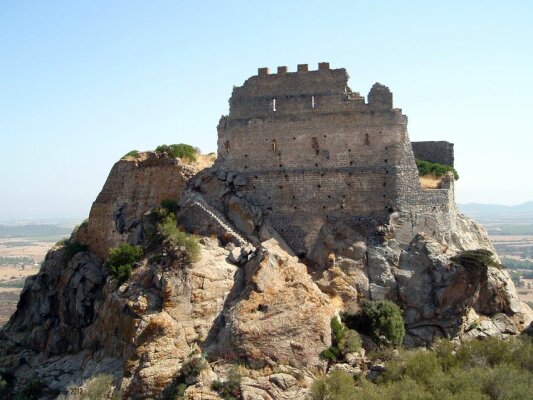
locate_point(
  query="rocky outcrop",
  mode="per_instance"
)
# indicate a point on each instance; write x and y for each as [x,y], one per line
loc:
[56,306]
[134,186]
[439,298]
[280,316]
[162,315]
[248,300]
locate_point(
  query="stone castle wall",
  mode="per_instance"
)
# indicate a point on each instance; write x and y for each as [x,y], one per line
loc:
[313,150]
[438,152]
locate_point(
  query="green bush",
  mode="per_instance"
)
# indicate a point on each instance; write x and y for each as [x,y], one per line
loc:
[422,366]
[164,230]
[186,243]
[385,322]
[181,150]
[121,260]
[476,261]
[337,329]
[133,153]
[178,392]
[344,341]
[72,247]
[435,169]
[489,352]
[406,389]
[445,352]
[351,342]
[490,369]
[332,353]
[337,385]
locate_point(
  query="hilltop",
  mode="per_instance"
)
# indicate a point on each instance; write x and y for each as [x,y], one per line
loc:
[307,244]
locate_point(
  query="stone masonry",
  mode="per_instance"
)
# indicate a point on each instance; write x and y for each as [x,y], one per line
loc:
[313,151]
[438,152]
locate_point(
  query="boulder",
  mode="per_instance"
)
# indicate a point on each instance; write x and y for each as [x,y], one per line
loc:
[280,317]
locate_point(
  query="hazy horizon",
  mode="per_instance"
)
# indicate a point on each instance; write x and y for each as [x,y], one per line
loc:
[84,83]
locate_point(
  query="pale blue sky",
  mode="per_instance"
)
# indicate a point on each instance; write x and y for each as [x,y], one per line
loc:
[83,82]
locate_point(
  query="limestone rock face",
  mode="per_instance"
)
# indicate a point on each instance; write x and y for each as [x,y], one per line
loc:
[280,317]
[133,187]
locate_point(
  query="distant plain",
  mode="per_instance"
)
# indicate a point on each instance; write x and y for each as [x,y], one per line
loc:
[23,247]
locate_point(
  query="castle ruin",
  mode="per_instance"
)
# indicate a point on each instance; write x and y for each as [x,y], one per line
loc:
[311,151]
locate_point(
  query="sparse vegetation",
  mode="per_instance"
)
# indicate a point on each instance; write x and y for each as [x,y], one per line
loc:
[177,391]
[163,229]
[186,243]
[476,261]
[181,150]
[229,389]
[338,385]
[98,387]
[72,247]
[121,261]
[194,366]
[189,371]
[434,169]
[83,224]
[490,369]
[133,153]
[513,229]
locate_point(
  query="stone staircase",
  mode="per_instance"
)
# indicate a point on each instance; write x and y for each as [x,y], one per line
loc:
[198,216]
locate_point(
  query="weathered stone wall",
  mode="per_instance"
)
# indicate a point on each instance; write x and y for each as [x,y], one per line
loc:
[312,150]
[133,187]
[438,152]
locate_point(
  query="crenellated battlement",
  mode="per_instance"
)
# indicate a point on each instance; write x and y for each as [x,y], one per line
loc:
[264,71]
[285,93]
